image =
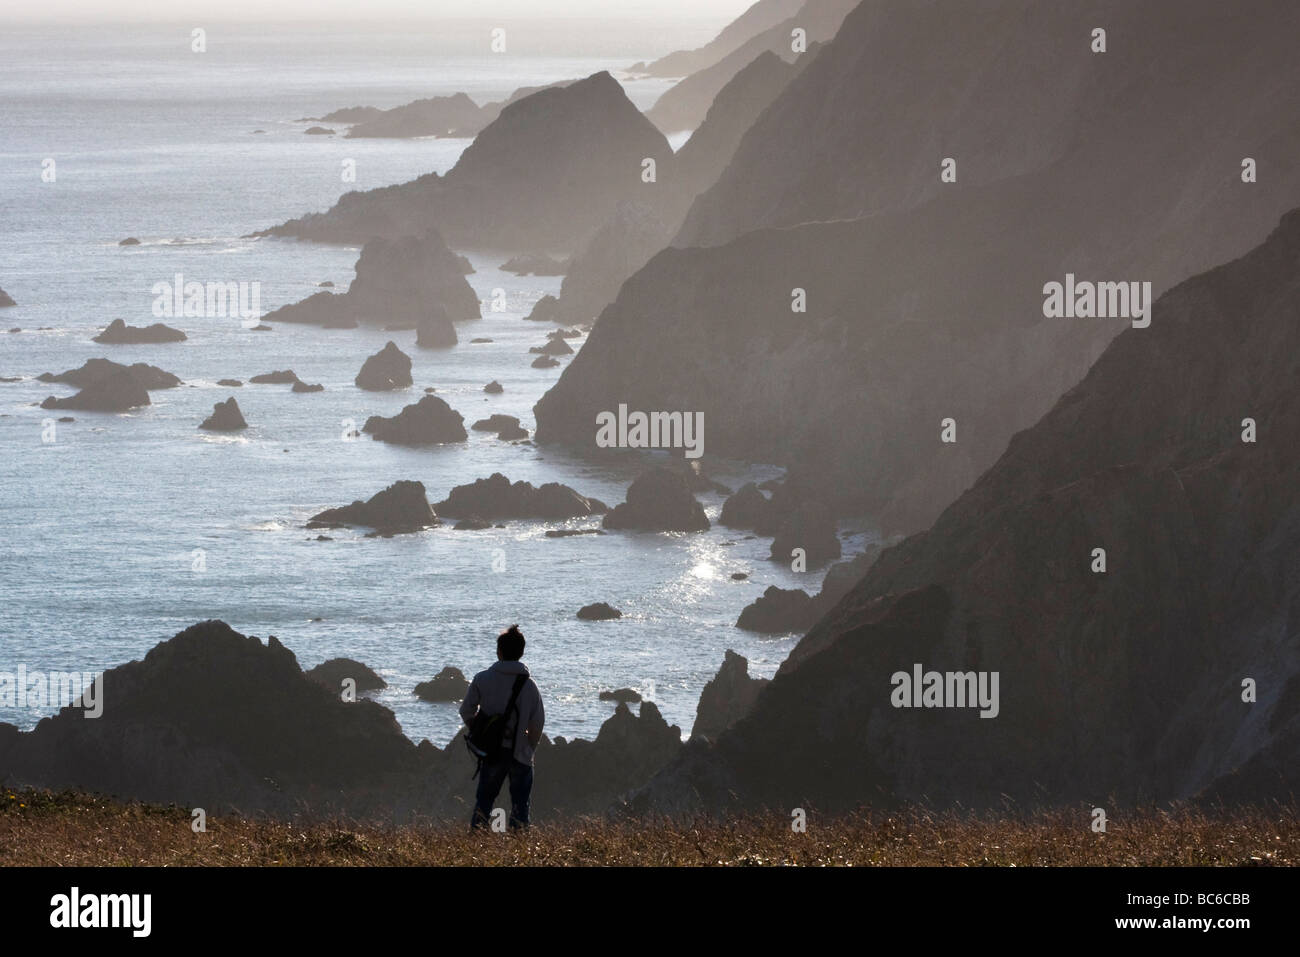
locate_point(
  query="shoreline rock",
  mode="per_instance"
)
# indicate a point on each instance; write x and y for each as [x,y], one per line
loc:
[118,333]
[225,417]
[402,508]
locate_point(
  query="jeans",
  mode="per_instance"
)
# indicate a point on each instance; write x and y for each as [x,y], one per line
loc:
[491,776]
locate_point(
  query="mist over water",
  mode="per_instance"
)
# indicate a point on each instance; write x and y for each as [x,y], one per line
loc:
[98,530]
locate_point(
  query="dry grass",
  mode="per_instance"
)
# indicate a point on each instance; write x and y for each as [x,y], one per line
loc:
[41,828]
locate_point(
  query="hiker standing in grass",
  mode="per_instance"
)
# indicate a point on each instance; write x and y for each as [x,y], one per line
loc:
[503,716]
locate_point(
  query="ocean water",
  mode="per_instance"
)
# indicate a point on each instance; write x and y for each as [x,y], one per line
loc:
[101,529]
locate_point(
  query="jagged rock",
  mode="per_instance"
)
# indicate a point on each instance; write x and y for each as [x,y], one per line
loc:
[587,777]
[402,507]
[449,684]
[301,386]
[494,388]
[117,390]
[172,730]
[546,309]
[545,362]
[427,422]
[564,334]
[435,329]
[471,523]
[505,426]
[535,265]
[810,527]
[119,333]
[413,282]
[659,500]
[496,498]
[747,508]
[778,611]
[622,695]
[727,698]
[280,377]
[93,370]
[584,144]
[389,368]
[554,347]
[600,611]
[466,267]
[441,116]
[331,675]
[6,300]
[225,417]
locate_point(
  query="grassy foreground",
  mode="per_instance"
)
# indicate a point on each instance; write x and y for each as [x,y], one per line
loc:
[42,828]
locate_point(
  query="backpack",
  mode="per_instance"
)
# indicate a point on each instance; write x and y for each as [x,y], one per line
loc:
[486,731]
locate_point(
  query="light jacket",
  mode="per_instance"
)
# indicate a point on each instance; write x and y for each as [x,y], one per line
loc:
[490,691]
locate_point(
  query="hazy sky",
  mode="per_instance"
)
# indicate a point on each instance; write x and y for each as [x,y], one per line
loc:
[215,10]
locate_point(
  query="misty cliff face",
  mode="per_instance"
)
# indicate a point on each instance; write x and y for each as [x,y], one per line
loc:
[759,18]
[639,229]
[1175,455]
[549,170]
[932,308]
[683,106]
[1005,87]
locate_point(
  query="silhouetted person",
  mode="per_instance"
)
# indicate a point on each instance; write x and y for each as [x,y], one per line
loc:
[491,693]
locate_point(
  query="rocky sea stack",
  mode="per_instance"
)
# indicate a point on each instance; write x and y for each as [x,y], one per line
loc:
[403,507]
[659,500]
[225,417]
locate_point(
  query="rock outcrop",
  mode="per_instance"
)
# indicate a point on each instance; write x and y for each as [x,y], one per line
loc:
[659,500]
[6,300]
[428,422]
[727,698]
[1126,564]
[449,684]
[118,333]
[172,732]
[387,369]
[92,370]
[506,427]
[116,390]
[746,508]
[225,417]
[543,175]
[332,674]
[535,264]
[401,508]
[599,611]
[441,116]
[408,282]
[278,377]
[497,498]
[779,611]
[811,529]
